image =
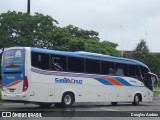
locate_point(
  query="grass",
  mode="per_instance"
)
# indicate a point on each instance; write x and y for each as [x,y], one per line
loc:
[156,91]
[156,88]
[1,101]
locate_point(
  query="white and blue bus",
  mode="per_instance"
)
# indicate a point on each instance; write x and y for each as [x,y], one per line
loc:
[46,77]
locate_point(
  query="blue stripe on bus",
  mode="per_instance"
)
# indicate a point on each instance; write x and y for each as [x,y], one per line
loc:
[123,81]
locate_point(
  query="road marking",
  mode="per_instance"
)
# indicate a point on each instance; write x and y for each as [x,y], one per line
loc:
[106,109]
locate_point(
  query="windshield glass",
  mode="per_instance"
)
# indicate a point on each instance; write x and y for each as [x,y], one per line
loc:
[13,58]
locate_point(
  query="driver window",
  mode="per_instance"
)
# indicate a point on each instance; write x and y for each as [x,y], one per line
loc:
[144,71]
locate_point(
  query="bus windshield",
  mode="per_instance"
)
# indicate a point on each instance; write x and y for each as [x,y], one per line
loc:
[13,58]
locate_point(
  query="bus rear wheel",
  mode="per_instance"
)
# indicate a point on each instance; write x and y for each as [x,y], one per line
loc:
[67,99]
[136,100]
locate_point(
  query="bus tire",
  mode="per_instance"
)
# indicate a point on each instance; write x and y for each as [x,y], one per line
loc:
[67,99]
[136,100]
[45,105]
[114,103]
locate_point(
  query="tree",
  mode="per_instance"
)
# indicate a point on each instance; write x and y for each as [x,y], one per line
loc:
[22,29]
[143,54]
[103,47]
[84,40]
[81,33]
[141,50]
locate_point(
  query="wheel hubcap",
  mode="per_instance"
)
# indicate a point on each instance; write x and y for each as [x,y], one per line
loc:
[67,99]
[137,99]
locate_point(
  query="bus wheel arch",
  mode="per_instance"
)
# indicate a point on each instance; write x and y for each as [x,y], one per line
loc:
[68,98]
[137,99]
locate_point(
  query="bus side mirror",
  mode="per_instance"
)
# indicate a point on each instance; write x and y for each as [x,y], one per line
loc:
[154,77]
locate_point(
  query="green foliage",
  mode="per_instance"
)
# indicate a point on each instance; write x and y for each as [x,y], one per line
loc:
[156,93]
[100,47]
[22,29]
[153,63]
[141,50]
[142,54]
[80,33]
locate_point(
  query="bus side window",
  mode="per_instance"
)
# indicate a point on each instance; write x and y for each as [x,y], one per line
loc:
[92,66]
[75,64]
[107,68]
[134,71]
[58,63]
[40,60]
[121,69]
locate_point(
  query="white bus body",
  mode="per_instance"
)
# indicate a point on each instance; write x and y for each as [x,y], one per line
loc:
[29,84]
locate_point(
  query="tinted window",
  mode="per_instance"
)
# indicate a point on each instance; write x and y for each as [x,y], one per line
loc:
[107,68]
[58,63]
[40,60]
[144,70]
[75,64]
[121,69]
[92,66]
[134,71]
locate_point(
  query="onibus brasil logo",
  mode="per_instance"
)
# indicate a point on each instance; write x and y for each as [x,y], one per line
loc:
[68,80]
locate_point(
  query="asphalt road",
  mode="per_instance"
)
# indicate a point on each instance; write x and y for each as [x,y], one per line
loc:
[89,111]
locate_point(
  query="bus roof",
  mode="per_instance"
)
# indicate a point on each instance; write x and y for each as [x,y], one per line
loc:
[82,54]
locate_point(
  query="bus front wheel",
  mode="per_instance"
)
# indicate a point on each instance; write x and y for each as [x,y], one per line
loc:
[136,100]
[67,99]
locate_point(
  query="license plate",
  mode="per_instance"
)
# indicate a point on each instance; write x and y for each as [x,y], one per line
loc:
[11,90]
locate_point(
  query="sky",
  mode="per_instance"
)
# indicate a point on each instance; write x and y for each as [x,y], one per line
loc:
[124,22]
